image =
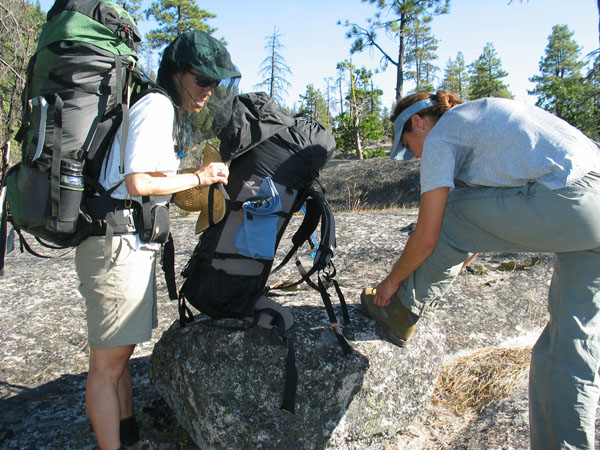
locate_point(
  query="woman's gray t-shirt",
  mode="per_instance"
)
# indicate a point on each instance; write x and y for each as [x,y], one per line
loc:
[505,143]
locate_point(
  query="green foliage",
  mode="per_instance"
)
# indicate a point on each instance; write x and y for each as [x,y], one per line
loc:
[562,89]
[175,17]
[361,121]
[421,47]
[133,7]
[393,18]
[314,106]
[456,77]
[588,119]
[374,153]
[560,80]
[386,123]
[370,129]
[486,76]
[20,26]
[344,135]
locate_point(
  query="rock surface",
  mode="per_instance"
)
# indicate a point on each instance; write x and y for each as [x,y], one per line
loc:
[499,301]
[219,380]
[371,184]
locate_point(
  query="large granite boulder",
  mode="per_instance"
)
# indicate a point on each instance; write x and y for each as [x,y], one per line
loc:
[225,384]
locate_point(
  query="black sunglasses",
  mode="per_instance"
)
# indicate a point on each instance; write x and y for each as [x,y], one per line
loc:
[205,82]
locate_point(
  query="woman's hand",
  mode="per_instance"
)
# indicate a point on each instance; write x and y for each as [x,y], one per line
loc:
[157,183]
[419,246]
[215,172]
[384,292]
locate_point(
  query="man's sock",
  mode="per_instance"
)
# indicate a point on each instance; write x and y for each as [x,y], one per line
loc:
[129,431]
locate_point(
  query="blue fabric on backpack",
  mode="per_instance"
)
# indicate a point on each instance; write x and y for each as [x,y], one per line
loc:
[257,235]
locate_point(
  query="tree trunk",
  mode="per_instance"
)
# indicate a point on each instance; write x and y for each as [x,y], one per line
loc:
[359,149]
[400,72]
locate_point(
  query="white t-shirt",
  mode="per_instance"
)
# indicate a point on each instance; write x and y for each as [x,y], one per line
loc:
[150,144]
[150,148]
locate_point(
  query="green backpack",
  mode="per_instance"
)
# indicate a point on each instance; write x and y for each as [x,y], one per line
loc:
[75,97]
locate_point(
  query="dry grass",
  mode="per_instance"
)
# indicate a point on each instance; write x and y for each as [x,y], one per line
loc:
[356,199]
[357,202]
[481,378]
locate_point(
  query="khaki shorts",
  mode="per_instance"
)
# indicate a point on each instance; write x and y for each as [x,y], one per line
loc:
[121,300]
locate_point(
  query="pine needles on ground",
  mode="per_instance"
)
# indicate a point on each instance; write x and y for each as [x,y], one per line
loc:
[477,380]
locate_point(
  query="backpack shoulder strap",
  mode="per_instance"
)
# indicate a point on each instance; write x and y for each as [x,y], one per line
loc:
[317,210]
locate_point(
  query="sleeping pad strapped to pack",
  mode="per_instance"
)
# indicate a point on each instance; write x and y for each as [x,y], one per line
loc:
[274,162]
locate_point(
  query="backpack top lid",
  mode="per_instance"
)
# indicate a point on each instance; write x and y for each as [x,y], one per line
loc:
[254,119]
[101,23]
[204,53]
[269,142]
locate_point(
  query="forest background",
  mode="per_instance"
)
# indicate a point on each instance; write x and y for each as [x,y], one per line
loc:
[344,62]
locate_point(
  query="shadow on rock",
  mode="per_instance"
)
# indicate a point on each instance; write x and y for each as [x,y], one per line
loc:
[37,418]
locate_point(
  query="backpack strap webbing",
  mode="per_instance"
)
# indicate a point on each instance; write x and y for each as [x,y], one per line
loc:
[290,383]
[4,164]
[291,379]
[317,209]
[167,262]
[123,101]
[185,313]
[321,287]
[309,224]
[335,326]
[24,246]
[56,155]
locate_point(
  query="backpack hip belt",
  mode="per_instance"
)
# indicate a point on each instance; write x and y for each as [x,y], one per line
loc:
[120,221]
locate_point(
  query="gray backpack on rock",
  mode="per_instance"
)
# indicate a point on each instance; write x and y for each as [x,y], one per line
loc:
[274,162]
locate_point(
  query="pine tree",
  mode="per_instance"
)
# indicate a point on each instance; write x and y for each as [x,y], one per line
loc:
[560,80]
[590,123]
[362,121]
[175,17]
[274,69]
[486,75]
[421,47]
[314,106]
[133,7]
[456,77]
[406,12]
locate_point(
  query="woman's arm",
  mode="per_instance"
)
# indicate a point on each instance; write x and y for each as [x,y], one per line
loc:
[420,244]
[156,183]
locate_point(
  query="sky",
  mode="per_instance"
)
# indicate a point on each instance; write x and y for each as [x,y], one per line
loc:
[314,43]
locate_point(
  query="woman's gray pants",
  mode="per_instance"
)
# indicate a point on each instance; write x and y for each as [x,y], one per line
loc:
[564,386]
